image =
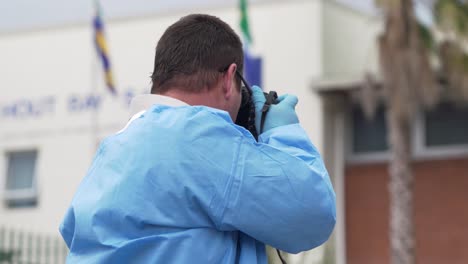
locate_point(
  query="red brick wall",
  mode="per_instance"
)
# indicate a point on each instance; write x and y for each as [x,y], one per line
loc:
[366,214]
[441,212]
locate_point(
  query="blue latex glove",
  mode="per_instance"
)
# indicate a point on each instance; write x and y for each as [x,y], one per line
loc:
[280,114]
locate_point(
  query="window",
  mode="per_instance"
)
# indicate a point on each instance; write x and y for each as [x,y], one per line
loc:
[369,135]
[20,187]
[441,132]
[446,125]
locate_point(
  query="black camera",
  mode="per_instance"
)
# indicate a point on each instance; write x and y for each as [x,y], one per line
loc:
[246,115]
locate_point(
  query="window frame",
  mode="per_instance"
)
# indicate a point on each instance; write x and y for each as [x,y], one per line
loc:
[356,158]
[420,151]
[20,195]
[423,151]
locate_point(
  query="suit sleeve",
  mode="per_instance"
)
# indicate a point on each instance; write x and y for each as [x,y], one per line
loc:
[281,192]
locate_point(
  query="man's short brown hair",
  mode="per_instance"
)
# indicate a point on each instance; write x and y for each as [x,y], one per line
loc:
[193,52]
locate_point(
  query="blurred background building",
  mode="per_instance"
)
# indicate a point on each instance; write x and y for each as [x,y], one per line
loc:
[55,107]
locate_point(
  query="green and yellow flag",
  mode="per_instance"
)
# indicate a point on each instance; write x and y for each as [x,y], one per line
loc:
[252,64]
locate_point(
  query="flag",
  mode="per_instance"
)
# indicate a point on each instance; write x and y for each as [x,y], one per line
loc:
[252,68]
[244,22]
[252,64]
[101,47]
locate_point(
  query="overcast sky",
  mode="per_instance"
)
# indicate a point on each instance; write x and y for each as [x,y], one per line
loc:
[16,15]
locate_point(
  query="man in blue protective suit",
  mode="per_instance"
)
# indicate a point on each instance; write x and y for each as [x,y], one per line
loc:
[182,183]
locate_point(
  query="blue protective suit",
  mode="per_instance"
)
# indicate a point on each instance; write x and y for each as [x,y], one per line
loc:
[186,185]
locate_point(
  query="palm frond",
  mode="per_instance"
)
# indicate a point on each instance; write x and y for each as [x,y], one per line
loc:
[426,37]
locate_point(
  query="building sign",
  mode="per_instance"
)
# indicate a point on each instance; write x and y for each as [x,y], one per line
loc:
[33,108]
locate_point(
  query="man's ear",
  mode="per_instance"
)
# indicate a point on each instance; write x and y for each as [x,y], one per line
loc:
[229,83]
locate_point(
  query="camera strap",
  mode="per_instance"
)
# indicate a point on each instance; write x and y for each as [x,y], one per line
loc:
[270,99]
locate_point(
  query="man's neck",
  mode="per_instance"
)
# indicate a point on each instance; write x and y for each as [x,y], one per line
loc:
[206,98]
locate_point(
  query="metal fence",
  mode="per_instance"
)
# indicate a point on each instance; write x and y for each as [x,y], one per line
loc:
[22,247]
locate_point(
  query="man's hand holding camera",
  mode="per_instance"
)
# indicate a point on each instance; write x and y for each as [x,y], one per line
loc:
[281,113]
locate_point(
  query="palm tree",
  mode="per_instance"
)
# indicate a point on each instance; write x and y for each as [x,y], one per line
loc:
[412,66]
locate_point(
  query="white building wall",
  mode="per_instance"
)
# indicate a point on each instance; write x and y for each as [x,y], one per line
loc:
[349,52]
[51,67]
[349,40]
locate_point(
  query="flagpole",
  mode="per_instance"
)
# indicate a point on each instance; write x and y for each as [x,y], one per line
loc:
[94,129]
[94,113]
